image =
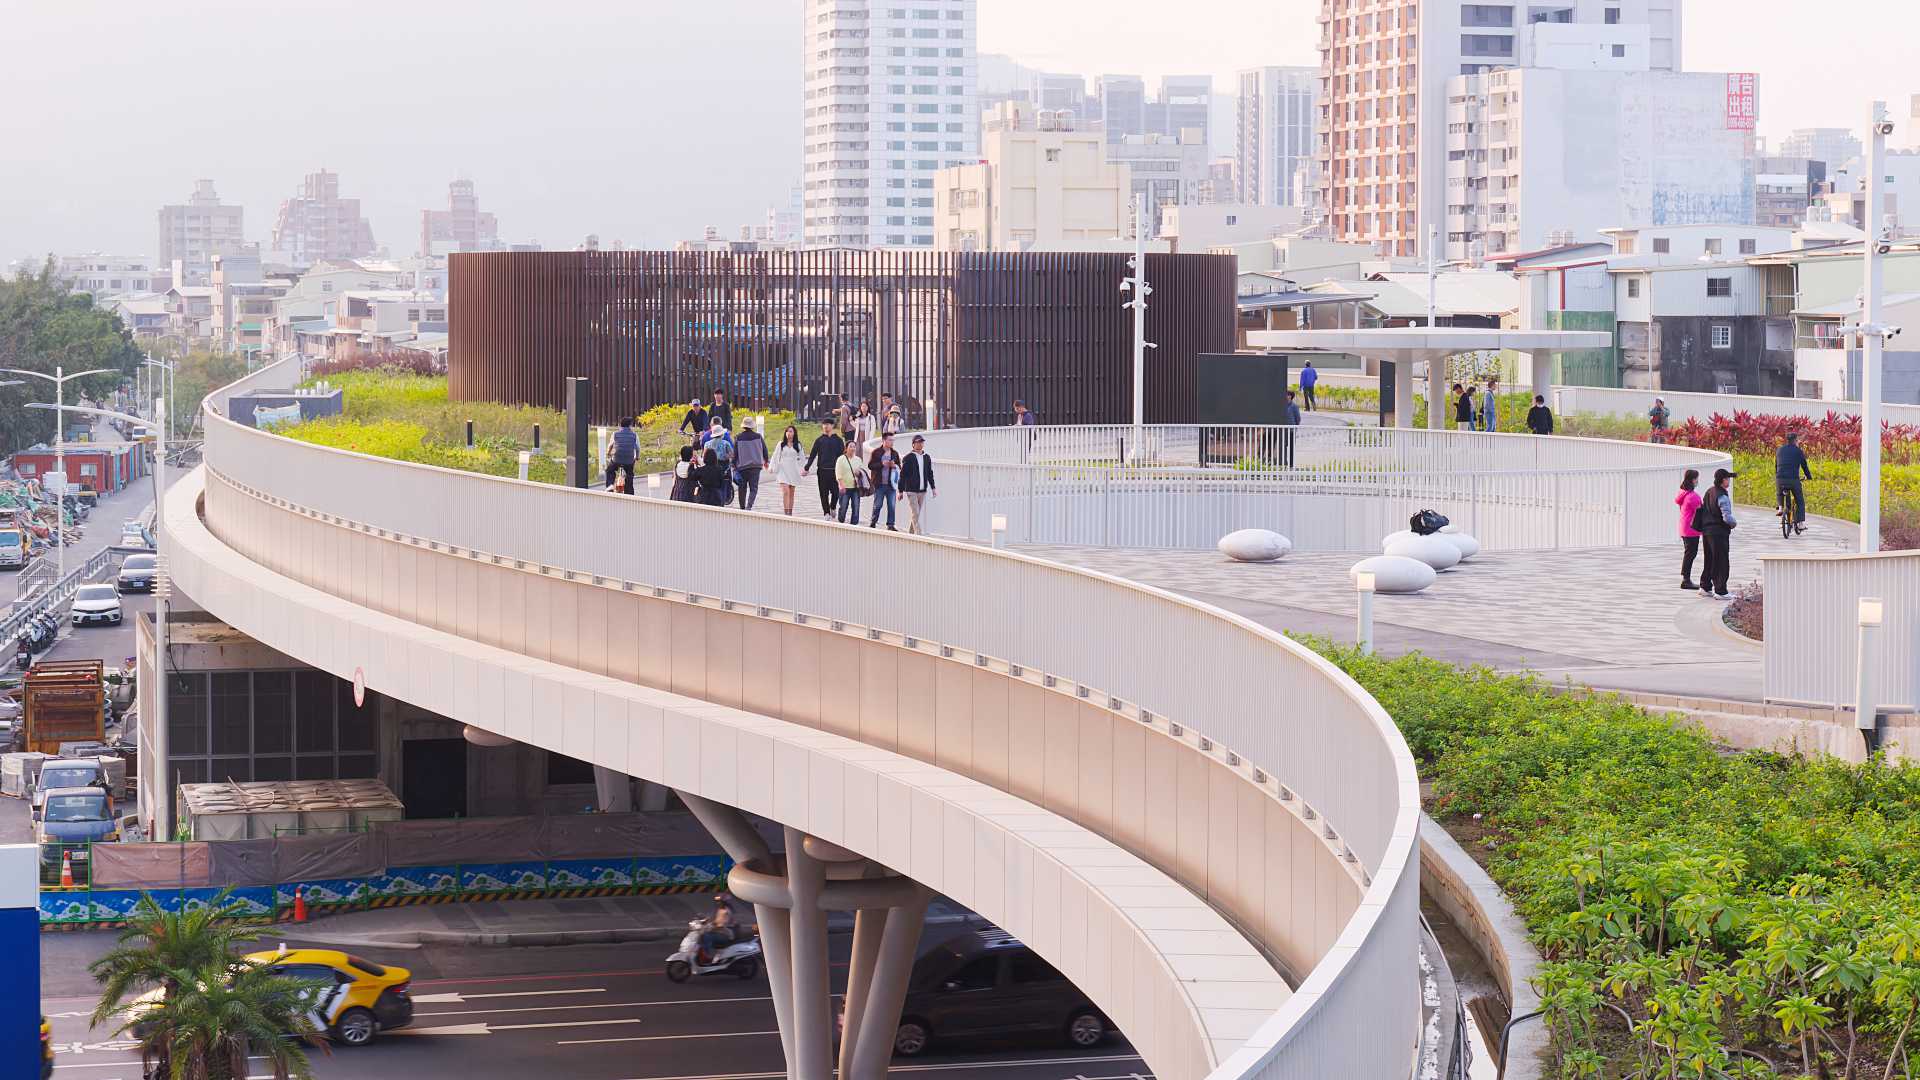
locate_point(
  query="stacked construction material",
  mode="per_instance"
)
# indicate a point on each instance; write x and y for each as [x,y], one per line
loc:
[263,809]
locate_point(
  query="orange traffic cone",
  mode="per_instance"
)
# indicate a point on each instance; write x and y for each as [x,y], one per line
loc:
[299,903]
[66,869]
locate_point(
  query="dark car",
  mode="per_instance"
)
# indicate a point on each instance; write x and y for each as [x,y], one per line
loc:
[985,983]
[137,573]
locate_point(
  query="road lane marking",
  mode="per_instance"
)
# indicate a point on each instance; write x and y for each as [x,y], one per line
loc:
[952,1066]
[456,998]
[564,1023]
[450,1029]
[665,1038]
[596,1005]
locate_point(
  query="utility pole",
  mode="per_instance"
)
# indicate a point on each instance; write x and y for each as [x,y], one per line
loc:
[1137,285]
[59,380]
[1872,334]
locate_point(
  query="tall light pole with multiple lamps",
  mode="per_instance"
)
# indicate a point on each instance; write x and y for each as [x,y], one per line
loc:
[168,369]
[59,380]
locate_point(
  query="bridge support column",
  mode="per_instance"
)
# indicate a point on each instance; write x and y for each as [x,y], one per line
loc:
[1437,411]
[791,894]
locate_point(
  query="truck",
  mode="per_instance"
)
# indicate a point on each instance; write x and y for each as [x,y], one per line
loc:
[14,545]
[65,702]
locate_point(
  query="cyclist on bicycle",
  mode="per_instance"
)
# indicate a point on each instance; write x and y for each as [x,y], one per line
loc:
[1789,465]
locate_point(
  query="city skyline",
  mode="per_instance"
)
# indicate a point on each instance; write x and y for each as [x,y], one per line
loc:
[564,138]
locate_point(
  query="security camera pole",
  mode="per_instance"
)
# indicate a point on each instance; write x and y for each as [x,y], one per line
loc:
[1137,285]
[1872,339]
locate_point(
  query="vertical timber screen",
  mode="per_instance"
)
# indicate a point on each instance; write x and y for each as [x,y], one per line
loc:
[796,329]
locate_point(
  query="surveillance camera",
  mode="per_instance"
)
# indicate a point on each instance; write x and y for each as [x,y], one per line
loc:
[1884,127]
[1882,248]
[1890,333]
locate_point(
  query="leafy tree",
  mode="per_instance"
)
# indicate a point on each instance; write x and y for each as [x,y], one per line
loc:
[44,325]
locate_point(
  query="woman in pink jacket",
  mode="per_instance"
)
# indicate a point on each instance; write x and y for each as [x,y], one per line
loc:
[1688,501]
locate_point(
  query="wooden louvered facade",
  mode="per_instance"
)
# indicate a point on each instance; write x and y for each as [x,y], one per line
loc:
[971,332]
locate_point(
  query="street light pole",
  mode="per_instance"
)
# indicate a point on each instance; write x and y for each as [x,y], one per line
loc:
[59,380]
[1137,285]
[1872,334]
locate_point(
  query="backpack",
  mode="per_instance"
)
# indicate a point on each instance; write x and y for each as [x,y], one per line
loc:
[1707,514]
[1427,522]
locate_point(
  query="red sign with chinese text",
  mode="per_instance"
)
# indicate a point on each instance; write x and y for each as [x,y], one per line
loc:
[1741,105]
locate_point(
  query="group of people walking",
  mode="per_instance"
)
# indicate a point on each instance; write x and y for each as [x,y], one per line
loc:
[1707,521]
[849,470]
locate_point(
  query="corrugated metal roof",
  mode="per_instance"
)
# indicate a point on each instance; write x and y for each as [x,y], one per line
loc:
[1466,292]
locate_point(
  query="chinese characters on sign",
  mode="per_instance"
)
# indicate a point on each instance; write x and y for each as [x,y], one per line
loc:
[1741,108]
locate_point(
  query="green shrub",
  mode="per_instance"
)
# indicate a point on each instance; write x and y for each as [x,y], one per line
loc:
[1730,904]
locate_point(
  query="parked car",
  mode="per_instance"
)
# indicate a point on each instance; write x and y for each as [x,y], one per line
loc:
[67,773]
[984,983]
[137,573]
[71,819]
[96,604]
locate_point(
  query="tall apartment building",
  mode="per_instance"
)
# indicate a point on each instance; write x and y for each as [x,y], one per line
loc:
[1043,182]
[1274,137]
[1384,66]
[318,224]
[193,232]
[1168,170]
[1835,146]
[460,227]
[890,100]
[1123,105]
[1539,156]
[1185,103]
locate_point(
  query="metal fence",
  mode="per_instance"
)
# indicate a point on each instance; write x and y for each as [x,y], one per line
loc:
[1812,627]
[58,595]
[1273,702]
[1325,488]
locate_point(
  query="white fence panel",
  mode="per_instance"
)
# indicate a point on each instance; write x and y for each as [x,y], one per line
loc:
[1812,627]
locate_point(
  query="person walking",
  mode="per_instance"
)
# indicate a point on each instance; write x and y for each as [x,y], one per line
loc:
[684,483]
[1308,379]
[788,467]
[916,482]
[623,449]
[1540,418]
[1490,405]
[1716,525]
[694,424]
[851,472]
[1291,418]
[864,425]
[749,457]
[1657,420]
[828,447]
[710,479]
[843,417]
[720,410]
[720,441]
[1023,416]
[1689,503]
[884,467]
[892,419]
[1463,408]
[1789,465]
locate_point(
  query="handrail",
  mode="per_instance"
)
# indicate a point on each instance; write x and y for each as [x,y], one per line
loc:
[1284,708]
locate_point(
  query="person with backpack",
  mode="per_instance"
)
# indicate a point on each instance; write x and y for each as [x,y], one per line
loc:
[684,483]
[1689,503]
[1715,523]
[1540,418]
[623,449]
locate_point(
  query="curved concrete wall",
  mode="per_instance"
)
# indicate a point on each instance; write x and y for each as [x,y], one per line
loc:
[1284,726]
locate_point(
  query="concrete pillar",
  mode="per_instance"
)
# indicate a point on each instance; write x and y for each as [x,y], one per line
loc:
[868,926]
[1403,392]
[1437,392]
[1542,374]
[888,994]
[776,953]
[812,994]
[613,790]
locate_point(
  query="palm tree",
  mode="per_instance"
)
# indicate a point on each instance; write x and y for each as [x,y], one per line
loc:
[213,1007]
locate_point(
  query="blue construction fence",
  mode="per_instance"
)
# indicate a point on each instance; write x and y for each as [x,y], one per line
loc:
[451,883]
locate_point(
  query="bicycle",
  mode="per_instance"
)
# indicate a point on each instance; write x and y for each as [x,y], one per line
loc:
[1783,508]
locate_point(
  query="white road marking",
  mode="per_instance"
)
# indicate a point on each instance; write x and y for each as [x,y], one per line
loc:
[450,1029]
[665,1038]
[596,1005]
[953,1067]
[563,1023]
[458,998]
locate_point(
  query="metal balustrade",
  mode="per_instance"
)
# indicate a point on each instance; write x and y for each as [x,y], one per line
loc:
[1812,627]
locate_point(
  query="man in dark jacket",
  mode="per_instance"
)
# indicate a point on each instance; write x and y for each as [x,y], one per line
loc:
[1715,522]
[1540,418]
[1789,465]
[823,455]
[749,457]
[720,410]
[916,481]
[694,424]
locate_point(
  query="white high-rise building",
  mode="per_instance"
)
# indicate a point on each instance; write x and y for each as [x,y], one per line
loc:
[1274,137]
[1384,66]
[891,99]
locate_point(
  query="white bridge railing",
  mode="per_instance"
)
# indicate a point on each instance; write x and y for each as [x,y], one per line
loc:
[1812,627]
[1325,488]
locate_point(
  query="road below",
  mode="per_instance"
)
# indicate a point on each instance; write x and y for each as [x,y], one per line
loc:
[588,1012]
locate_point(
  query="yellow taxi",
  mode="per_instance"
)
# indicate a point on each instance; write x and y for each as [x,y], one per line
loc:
[46,1049]
[364,998]
[355,1001]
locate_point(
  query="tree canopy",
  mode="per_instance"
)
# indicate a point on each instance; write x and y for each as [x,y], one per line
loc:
[44,325]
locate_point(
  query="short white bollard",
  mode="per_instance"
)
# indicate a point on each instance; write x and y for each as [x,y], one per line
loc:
[1866,711]
[1363,585]
[526,459]
[999,530]
[653,485]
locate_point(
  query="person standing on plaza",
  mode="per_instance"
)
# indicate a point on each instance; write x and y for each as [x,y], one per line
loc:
[825,454]
[710,479]
[864,425]
[1463,408]
[720,410]
[1308,379]
[684,484]
[892,418]
[623,449]
[694,424]
[788,465]
[1490,405]
[1540,418]
[749,457]
[1023,416]
[1689,503]
[843,418]
[1716,525]
[1657,420]
[851,472]
[1290,417]
[916,482]
[884,467]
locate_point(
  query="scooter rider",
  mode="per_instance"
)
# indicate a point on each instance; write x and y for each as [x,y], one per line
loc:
[722,930]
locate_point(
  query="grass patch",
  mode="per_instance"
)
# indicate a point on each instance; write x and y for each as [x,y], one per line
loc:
[1700,912]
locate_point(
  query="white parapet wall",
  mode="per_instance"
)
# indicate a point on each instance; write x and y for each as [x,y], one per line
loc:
[1812,631]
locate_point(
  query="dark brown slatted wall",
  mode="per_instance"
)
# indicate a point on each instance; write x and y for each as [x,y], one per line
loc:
[794,329]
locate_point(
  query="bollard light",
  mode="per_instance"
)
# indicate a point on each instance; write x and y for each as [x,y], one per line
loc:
[999,530]
[1872,611]
[933,414]
[526,459]
[1363,583]
[653,484]
[1866,711]
[760,424]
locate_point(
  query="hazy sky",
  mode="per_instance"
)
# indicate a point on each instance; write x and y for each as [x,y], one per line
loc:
[639,120]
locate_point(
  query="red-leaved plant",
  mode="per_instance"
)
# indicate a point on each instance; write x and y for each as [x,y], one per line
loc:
[1832,436]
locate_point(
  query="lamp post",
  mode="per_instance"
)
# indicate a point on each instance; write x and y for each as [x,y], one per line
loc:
[160,813]
[1866,712]
[59,380]
[167,371]
[1136,284]
[1872,334]
[1363,584]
